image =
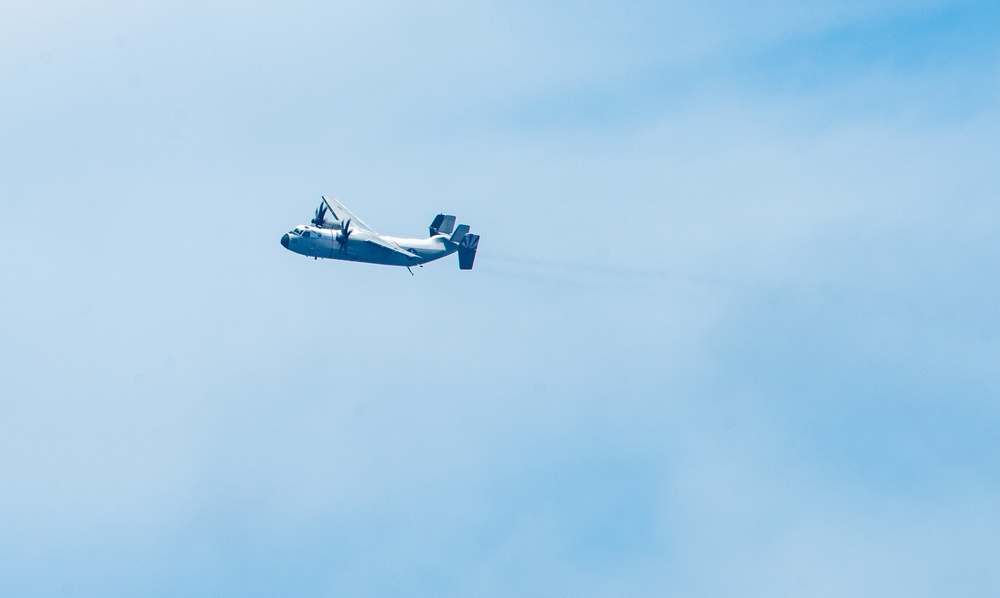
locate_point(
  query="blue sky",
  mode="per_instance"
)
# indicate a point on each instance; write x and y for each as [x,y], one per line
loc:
[732,329]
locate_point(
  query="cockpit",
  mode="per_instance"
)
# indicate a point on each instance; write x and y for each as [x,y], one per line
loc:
[300,231]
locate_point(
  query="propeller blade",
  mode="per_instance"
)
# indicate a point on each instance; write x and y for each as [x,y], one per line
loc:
[320,215]
[345,234]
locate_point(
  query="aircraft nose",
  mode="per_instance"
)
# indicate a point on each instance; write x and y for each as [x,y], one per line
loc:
[284,240]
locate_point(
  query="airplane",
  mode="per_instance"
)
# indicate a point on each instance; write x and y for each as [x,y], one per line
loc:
[335,233]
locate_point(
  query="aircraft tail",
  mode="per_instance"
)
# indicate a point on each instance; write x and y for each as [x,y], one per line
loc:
[443,224]
[467,250]
[459,233]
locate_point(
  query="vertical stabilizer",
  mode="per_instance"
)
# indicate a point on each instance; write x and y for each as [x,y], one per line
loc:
[460,233]
[467,251]
[443,224]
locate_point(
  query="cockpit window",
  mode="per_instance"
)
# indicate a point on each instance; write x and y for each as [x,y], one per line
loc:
[297,231]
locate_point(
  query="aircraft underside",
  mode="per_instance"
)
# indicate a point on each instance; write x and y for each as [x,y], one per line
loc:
[371,254]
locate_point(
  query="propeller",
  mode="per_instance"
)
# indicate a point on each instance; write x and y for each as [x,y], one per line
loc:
[344,235]
[320,218]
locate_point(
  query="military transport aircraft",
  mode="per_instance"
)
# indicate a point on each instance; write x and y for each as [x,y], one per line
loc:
[335,233]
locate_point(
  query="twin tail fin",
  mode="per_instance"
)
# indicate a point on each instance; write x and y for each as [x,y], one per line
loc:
[467,251]
[443,224]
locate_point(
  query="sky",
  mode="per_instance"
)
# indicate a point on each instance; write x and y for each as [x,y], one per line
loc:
[732,329]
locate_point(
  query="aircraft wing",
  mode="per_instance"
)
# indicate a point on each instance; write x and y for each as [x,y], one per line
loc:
[375,240]
[340,212]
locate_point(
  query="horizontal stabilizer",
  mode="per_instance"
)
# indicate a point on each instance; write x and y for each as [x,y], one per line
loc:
[467,251]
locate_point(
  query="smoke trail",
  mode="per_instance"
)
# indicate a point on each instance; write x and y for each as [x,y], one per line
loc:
[570,269]
[602,278]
